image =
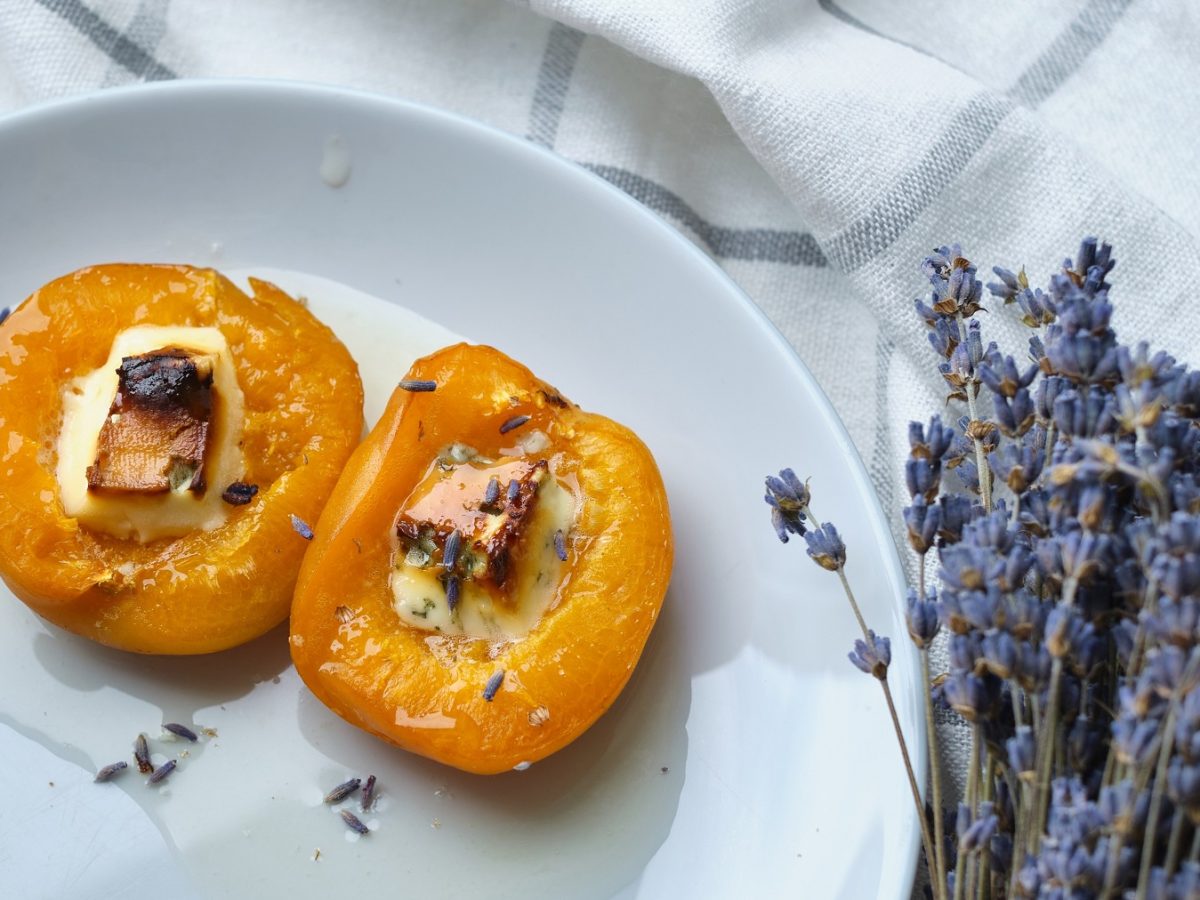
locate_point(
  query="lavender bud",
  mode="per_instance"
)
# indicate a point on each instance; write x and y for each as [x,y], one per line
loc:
[1008,286]
[999,654]
[874,659]
[922,619]
[979,832]
[1022,752]
[922,522]
[826,548]
[788,498]
[923,478]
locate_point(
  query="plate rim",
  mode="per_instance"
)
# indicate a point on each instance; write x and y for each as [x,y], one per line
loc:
[28,116]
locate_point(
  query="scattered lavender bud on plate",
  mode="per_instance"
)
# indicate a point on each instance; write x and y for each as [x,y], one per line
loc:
[368,794]
[181,731]
[353,822]
[343,790]
[110,770]
[162,772]
[141,753]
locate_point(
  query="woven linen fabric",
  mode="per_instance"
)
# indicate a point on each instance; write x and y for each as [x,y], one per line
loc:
[817,149]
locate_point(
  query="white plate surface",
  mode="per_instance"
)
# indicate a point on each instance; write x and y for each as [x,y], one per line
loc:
[746,757]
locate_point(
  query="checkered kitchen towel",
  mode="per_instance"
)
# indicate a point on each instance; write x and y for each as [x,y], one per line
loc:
[816,148]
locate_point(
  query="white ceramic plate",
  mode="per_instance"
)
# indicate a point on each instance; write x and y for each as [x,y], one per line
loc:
[746,757]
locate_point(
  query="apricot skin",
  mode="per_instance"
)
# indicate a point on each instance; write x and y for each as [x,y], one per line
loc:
[205,591]
[425,692]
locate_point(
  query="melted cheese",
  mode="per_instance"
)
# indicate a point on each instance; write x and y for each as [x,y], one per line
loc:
[86,403]
[536,576]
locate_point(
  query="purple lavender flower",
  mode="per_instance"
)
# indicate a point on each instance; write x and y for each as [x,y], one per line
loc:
[923,477]
[922,619]
[956,512]
[825,547]
[788,498]
[1009,285]
[1014,415]
[922,522]
[956,291]
[872,659]
[944,336]
[1019,462]
[974,697]
[1021,751]
[1006,379]
[1069,566]
[978,829]
[932,441]
[998,654]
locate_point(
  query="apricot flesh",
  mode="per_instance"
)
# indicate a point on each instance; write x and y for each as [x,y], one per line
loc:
[206,590]
[483,704]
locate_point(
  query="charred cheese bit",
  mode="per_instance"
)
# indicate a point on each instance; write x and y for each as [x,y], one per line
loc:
[156,436]
[146,434]
[506,573]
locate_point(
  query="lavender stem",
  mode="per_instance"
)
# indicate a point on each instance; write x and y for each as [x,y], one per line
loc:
[935,782]
[1160,778]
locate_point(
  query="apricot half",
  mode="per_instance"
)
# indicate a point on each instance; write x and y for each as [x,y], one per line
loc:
[300,415]
[485,576]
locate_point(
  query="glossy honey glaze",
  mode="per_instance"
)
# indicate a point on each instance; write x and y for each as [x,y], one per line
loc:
[494,702]
[208,589]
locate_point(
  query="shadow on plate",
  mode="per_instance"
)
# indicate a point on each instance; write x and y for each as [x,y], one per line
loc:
[582,823]
[178,685]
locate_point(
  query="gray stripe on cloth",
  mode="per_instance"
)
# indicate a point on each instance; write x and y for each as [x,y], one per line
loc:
[757,244]
[881,449]
[1067,53]
[554,77]
[549,101]
[146,29]
[119,48]
[917,188]
[838,13]
[1055,65]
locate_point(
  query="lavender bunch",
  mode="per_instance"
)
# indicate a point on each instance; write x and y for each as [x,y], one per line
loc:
[1060,515]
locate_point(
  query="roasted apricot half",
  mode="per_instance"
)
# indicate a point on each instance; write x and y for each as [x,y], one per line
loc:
[161,429]
[485,576]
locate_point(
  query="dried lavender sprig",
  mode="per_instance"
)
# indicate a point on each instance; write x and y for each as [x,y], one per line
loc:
[514,488]
[560,545]
[368,794]
[110,770]
[354,823]
[141,754]
[1187,682]
[870,641]
[417,386]
[181,731]
[342,791]
[162,772]
[935,779]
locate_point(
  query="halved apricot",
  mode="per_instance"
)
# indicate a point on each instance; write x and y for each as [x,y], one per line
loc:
[485,576]
[205,590]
